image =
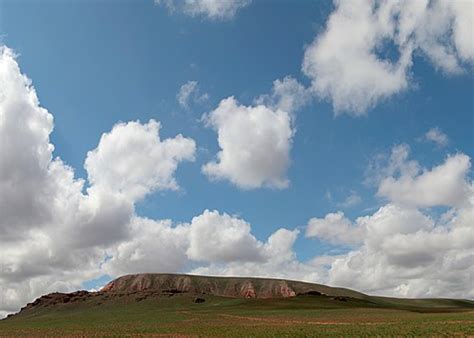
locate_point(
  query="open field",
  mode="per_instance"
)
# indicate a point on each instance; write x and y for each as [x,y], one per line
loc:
[220,316]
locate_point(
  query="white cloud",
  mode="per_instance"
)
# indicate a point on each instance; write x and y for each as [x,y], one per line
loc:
[53,235]
[155,246]
[210,9]
[397,163]
[221,238]
[189,92]
[288,95]
[406,253]
[342,61]
[345,64]
[443,31]
[68,236]
[25,151]
[219,243]
[443,185]
[336,229]
[401,250]
[406,182]
[279,261]
[255,143]
[133,161]
[437,136]
[351,200]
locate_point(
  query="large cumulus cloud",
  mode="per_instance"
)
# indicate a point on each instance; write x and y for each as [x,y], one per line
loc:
[405,249]
[54,230]
[255,144]
[57,231]
[133,161]
[348,62]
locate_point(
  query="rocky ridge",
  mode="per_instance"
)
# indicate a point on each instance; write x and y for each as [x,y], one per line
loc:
[139,287]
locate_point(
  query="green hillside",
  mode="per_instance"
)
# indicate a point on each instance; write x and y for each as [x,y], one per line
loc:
[168,311]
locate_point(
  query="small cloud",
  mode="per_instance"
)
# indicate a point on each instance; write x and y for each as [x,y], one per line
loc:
[352,200]
[189,92]
[328,196]
[210,9]
[437,136]
[336,229]
[288,95]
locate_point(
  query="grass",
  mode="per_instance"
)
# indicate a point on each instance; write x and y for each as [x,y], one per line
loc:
[218,316]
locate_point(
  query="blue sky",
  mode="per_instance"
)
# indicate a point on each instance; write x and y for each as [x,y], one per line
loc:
[95,63]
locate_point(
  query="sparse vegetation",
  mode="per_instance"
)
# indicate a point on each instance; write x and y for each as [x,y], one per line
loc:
[312,314]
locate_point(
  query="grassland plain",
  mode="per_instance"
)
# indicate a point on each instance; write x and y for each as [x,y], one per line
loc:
[179,315]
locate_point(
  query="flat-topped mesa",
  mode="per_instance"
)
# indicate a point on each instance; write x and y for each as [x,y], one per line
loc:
[237,287]
[230,287]
[162,289]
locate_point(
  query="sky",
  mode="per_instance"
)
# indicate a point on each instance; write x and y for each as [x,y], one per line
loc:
[310,140]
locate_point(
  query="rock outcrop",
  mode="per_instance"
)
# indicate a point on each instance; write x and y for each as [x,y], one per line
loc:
[237,287]
[58,298]
[140,287]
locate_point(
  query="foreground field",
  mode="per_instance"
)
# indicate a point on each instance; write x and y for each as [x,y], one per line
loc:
[219,316]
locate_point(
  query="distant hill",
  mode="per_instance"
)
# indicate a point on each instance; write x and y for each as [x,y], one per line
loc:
[138,287]
[188,304]
[236,287]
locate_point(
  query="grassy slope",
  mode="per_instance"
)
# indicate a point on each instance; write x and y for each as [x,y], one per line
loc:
[300,316]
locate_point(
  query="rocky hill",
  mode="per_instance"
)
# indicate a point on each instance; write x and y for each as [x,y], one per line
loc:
[178,288]
[139,287]
[236,287]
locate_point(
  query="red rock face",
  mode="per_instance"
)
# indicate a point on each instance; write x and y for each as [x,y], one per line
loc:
[183,284]
[247,290]
[140,283]
[218,286]
[109,287]
[286,291]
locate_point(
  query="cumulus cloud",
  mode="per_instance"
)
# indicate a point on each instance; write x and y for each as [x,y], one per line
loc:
[221,238]
[57,232]
[436,136]
[25,150]
[443,185]
[279,261]
[402,250]
[54,233]
[397,163]
[157,245]
[209,9]
[336,229]
[406,253]
[255,143]
[113,164]
[190,93]
[404,181]
[351,200]
[219,244]
[345,61]
[288,95]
